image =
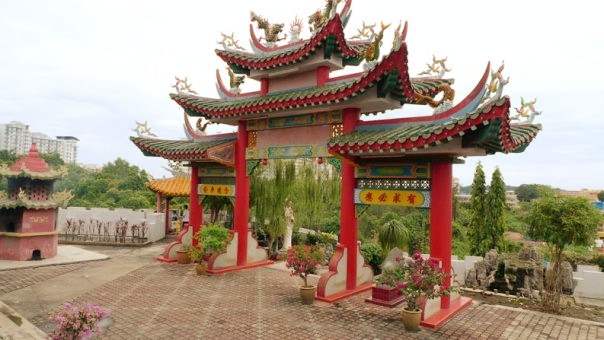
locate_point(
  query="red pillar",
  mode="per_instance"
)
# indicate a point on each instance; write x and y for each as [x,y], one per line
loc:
[195,214]
[158,199]
[322,75]
[348,217]
[441,219]
[167,216]
[242,194]
[264,86]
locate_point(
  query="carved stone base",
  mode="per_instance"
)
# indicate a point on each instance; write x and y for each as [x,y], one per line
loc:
[332,284]
[184,238]
[227,261]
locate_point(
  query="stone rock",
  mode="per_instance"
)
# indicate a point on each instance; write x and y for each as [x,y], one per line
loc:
[393,255]
[471,278]
[566,277]
[481,273]
[529,253]
[491,258]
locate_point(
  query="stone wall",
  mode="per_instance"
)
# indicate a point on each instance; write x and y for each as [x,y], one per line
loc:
[102,225]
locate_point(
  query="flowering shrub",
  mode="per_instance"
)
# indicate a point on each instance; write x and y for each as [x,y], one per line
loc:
[303,260]
[77,322]
[417,279]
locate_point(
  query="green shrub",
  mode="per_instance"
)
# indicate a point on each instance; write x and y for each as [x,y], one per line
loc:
[372,253]
[507,246]
[213,238]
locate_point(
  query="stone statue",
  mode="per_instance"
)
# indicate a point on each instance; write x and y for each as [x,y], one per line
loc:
[289,223]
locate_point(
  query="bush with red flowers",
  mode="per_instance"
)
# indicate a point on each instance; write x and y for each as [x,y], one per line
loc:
[303,260]
[417,278]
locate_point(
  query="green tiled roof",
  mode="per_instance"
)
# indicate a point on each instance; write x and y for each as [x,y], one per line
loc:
[358,45]
[177,149]
[196,105]
[496,136]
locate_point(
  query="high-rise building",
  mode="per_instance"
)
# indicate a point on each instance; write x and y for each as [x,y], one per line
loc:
[16,137]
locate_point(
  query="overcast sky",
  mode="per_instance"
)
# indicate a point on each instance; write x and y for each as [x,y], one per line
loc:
[91,68]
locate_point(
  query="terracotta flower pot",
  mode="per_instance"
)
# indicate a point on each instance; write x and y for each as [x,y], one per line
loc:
[201,268]
[411,319]
[308,294]
[182,257]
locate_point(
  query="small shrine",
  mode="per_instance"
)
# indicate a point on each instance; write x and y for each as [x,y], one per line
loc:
[301,110]
[28,211]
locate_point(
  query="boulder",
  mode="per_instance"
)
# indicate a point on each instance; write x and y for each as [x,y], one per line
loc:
[491,259]
[471,278]
[529,253]
[481,274]
[393,257]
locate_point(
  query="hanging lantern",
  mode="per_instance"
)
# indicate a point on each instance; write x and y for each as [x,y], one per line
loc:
[264,161]
[319,160]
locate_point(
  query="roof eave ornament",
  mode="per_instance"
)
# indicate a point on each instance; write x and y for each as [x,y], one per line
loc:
[272,32]
[143,130]
[399,37]
[526,113]
[494,89]
[319,18]
[229,43]
[372,53]
[437,69]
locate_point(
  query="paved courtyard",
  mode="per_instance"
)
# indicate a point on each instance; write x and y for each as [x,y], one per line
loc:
[159,301]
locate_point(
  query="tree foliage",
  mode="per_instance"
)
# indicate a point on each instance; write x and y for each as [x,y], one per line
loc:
[316,200]
[494,211]
[601,196]
[478,194]
[53,159]
[529,192]
[7,157]
[117,185]
[270,189]
[392,233]
[560,222]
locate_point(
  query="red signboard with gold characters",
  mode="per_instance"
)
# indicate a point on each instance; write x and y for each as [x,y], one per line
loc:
[216,190]
[403,198]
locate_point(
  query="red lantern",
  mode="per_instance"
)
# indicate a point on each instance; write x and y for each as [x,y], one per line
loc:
[264,161]
[320,160]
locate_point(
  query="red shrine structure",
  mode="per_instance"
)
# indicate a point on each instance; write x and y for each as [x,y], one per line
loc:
[28,211]
[302,111]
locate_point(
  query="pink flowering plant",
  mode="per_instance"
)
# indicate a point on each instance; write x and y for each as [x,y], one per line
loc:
[417,278]
[303,260]
[78,322]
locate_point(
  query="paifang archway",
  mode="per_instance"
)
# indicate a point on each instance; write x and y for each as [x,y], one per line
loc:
[300,110]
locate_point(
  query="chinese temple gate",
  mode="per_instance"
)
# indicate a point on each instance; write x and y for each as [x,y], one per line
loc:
[301,111]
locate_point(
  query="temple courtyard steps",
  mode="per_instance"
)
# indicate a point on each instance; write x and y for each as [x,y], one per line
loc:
[153,300]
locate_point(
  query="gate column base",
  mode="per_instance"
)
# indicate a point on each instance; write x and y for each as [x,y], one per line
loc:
[332,284]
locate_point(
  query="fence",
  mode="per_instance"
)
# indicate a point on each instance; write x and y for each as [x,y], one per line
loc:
[109,226]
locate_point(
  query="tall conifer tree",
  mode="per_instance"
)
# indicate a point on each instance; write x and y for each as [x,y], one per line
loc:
[477,207]
[494,223]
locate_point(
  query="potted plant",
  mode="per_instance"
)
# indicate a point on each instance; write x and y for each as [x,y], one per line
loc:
[418,280]
[182,255]
[303,260]
[387,292]
[212,239]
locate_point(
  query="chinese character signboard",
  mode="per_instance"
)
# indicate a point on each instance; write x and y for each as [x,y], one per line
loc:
[217,190]
[402,198]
